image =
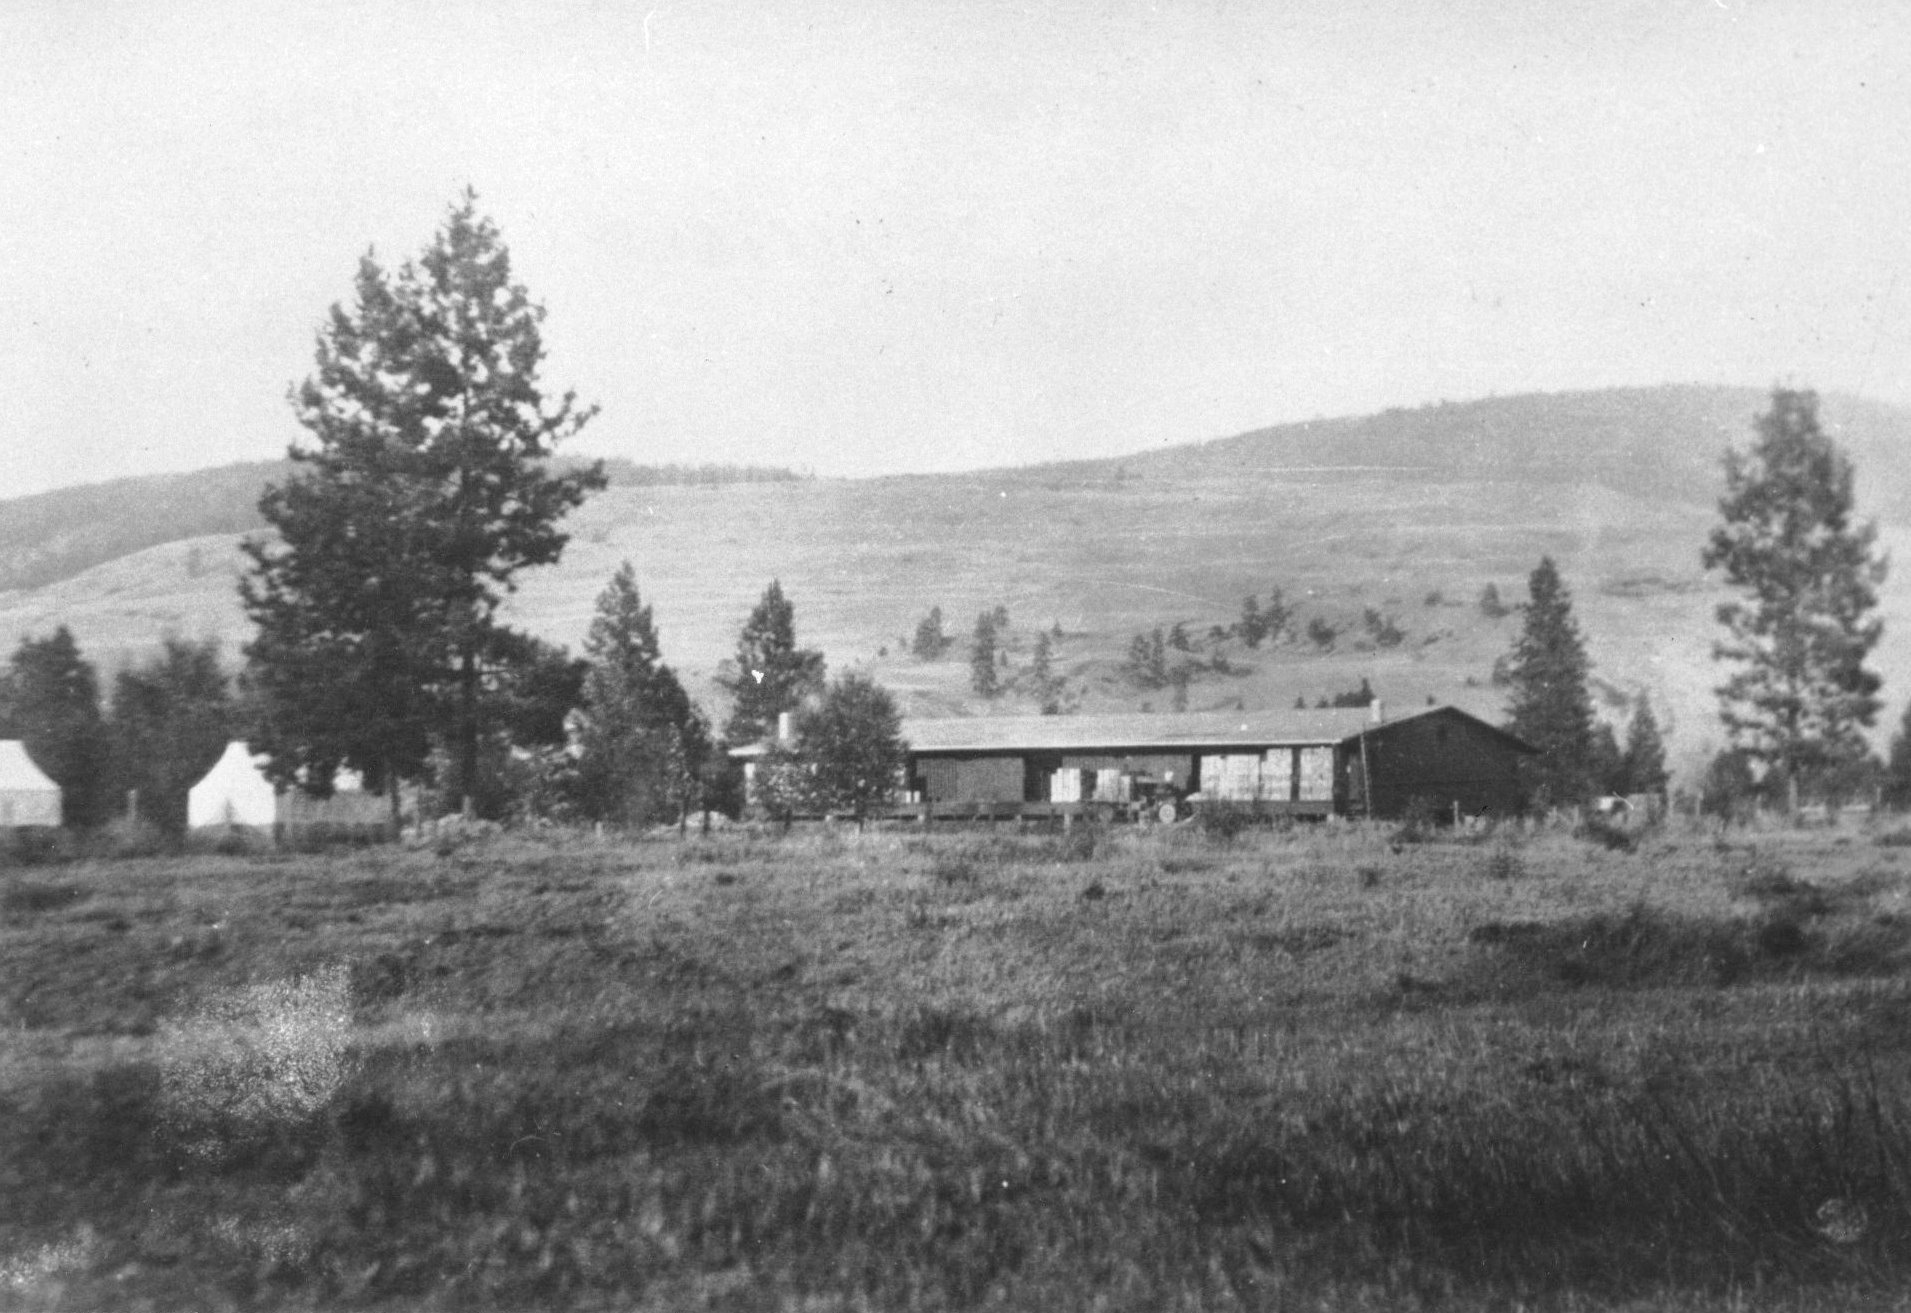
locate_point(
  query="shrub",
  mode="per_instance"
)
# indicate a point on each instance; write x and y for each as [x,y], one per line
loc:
[1224,821]
[1597,829]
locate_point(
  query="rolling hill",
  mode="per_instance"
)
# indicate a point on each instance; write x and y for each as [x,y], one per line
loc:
[1408,514]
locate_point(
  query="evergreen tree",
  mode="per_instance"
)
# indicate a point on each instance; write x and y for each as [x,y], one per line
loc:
[1490,604]
[1275,616]
[851,743]
[930,641]
[53,707]
[641,741]
[773,674]
[982,651]
[1801,695]
[172,717]
[1644,769]
[1549,705]
[1252,628]
[1606,764]
[1042,660]
[402,529]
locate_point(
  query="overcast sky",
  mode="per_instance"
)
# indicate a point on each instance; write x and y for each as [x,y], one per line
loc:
[885,236]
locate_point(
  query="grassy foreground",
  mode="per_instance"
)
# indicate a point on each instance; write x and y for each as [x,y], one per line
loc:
[1119,1070]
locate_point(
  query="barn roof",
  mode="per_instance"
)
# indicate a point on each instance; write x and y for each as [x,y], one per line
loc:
[1140,733]
[1133,733]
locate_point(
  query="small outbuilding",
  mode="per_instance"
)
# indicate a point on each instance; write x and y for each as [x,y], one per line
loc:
[235,792]
[28,797]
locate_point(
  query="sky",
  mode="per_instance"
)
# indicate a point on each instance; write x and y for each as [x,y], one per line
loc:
[879,237]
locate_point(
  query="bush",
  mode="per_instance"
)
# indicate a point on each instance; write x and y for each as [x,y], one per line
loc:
[1597,829]
[1225,821]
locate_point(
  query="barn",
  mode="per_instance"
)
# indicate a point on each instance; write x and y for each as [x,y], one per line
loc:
[1340,762]
[27,796]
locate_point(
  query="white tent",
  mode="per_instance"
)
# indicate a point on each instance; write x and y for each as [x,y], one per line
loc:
[27,796]
[234,792]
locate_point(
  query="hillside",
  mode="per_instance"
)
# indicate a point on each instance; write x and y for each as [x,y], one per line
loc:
[1409,513]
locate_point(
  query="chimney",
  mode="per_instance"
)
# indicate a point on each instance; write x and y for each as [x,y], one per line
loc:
[1375,712]
[782,727]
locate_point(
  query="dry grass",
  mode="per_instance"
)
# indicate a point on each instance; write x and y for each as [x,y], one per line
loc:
[1122,1069]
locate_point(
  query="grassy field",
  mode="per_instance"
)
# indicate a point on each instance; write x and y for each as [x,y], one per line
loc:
[1340,1067]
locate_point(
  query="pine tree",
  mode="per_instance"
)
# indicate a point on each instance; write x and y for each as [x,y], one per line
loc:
[53,707]
[851,743]
[930,641]
[1606,763]
[773,675]
[402,529]
[1644,769]
[1801,695]
[1252,628]
[982,650]
[171,719]
[1549,705]
[641,741]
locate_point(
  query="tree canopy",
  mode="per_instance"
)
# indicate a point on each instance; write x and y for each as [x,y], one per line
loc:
[1800,696]
[172,716]
[851,744]
[52,704]
[426,489]
[642,741]
[772,674]
[1549,705]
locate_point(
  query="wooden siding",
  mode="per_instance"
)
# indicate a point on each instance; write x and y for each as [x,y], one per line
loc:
[1439,759]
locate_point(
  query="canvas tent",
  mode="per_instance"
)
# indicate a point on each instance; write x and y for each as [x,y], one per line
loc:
[27,796]
[234,792]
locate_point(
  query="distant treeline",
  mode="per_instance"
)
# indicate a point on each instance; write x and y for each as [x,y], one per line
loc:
[628,474]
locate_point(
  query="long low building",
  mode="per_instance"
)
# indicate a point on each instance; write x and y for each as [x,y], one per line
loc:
[1304,763]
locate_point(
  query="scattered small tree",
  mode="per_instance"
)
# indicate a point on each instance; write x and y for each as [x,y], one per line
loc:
[930,641]
[1490,604]
[851,744]
[1251,627]
[1383,629]
[1800,695]
[982,652]
[1358,697]
[1322,633]
[772,674]
[1550,706]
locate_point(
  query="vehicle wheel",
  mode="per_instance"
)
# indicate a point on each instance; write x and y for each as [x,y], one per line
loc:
[1166,813]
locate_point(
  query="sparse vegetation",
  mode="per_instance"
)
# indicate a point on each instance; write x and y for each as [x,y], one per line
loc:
[558,1073]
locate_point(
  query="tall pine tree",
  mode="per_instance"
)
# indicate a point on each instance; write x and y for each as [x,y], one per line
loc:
[1800,696]
[427,489]
[1549,705]
[642,741]
[772,673]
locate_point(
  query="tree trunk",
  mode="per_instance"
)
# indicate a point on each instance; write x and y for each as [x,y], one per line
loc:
[468,729]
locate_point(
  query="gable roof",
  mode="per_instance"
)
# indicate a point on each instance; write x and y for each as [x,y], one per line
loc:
[1154,732]
[1134,732]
